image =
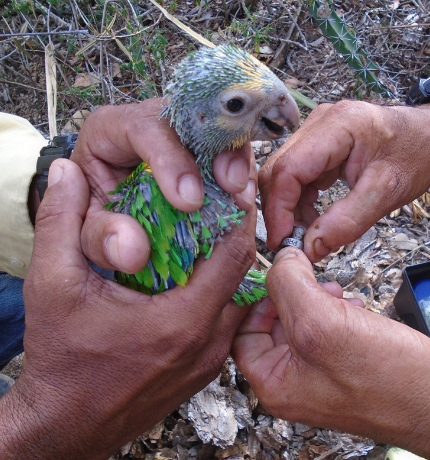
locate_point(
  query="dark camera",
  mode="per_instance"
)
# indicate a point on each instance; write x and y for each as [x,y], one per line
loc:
[412,301]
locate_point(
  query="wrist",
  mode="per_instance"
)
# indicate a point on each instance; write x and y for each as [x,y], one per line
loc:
[410,146]
[34,423]
[19,430]
[395,402]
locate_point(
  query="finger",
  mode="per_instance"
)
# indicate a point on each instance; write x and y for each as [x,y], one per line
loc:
[336,290]
[277,333]
[260,318]
[123,136]
[257,356]
[246,199]
[265,175]
[292,272]
[115,241]
[372,198]
[257,337]
[356,302]
[232,169]
[57,250]
[305,212]
[118,242]
[299,165]
[333,289]
[316,324]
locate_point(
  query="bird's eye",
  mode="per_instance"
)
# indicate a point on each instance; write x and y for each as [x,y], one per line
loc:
[234,105]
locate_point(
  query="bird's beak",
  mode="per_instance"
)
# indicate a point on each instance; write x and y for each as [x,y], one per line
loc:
[282,116]
[286,114]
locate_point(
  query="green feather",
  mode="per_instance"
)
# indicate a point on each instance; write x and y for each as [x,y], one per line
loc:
[160,261]
[178,275]
[206,234]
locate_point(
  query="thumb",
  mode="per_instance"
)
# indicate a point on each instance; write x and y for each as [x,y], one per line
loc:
[313,321]
[373,197]
[57,258]
[290,284]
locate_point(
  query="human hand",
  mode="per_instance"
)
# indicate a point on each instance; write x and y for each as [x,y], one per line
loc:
[112,142]
[382,152]
[313,357]
[104,363]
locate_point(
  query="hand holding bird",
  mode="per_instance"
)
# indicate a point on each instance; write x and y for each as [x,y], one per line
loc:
[218,99]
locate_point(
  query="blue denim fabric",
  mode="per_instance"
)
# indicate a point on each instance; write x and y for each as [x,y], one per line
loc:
[11,318]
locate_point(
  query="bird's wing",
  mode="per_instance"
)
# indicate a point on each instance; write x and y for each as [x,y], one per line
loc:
[173,243]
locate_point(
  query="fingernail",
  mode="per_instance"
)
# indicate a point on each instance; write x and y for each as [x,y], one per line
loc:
[112,250]
[287,253]
[190,189]
[320,249]
[249,194]
[55,174]
[237,173]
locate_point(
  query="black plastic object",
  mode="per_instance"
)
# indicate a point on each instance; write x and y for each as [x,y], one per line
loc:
[59,147]
[419,93]
[406,301]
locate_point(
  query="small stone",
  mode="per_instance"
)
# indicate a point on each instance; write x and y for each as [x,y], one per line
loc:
[300,428]
[257,145]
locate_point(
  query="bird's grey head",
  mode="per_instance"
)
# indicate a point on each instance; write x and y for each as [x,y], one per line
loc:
[221,97]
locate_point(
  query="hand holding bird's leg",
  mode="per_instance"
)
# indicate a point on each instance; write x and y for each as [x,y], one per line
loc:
[111,143]
[382,152]
[313,357]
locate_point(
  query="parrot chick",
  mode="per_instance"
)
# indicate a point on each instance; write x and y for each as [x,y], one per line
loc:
[218,99]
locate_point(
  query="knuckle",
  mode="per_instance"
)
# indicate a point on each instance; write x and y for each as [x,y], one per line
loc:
[396,184]
[321,109]
[344,107]
[94,235]
[307,337]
